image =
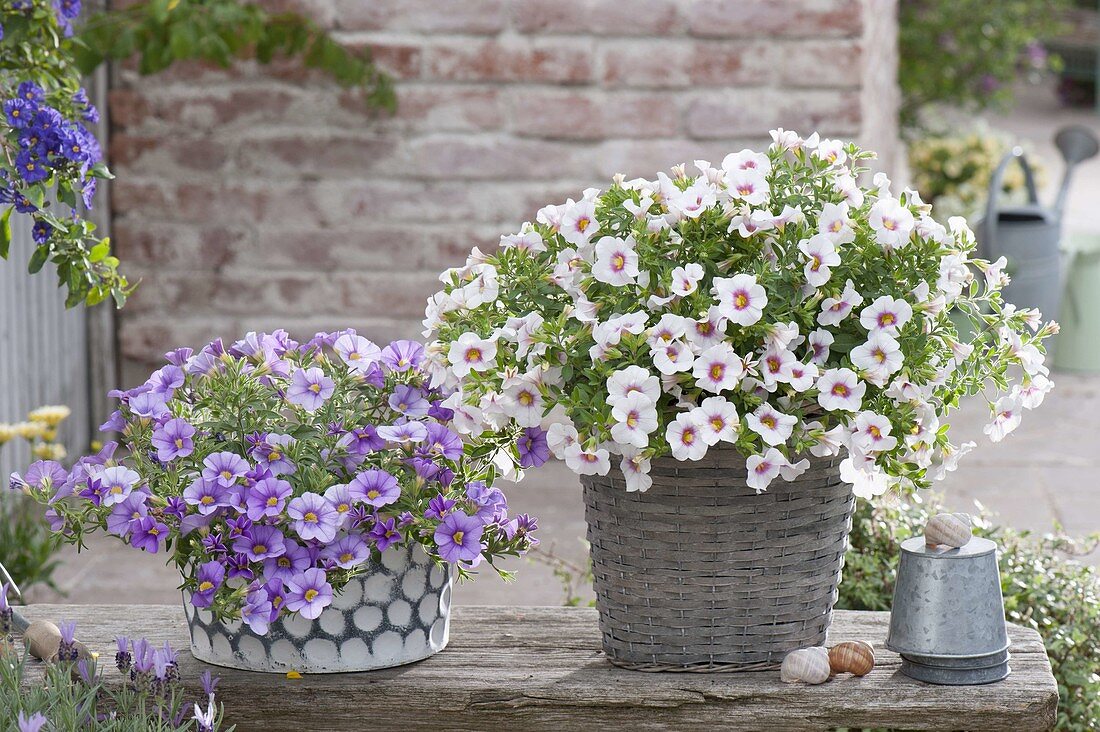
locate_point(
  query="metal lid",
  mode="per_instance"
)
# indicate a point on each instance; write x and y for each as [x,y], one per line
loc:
[976,547]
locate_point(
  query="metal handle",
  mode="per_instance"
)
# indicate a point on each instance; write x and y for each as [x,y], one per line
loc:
[995,184]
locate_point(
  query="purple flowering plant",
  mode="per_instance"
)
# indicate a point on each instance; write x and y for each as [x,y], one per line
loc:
[51,160]
[271,471]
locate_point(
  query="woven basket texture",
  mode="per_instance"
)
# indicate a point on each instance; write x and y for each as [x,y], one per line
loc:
[701,571]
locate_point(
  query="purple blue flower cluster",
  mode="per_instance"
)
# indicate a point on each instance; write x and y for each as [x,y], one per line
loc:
[275,469]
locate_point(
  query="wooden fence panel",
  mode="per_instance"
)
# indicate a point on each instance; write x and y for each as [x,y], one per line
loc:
[43,350]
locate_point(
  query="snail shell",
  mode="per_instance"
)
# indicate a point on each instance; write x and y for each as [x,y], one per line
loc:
[950,529]
[809,665]
[852,657]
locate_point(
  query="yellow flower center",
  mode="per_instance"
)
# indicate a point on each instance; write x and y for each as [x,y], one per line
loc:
[310,517]
[226,474]
[717,371]
[840,390]
[283,562]
[473,354]
[259,549]
[310,594]
[343,508]
[206,500]
[582,224]
[526,398]
[346,557]
[274,455]
[458,537]
[273,501]
[315,388]
[353,356]
[179,443]
[768,422]
[373,493]
[116,489]
[741,301]
[206,586]
[618,262]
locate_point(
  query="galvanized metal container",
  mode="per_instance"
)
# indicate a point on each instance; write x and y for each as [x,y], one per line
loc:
[948,620]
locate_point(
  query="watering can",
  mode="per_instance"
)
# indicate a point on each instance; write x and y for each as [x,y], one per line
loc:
[1029,236]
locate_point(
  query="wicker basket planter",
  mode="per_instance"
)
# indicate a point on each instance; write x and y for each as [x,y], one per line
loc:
[700,571]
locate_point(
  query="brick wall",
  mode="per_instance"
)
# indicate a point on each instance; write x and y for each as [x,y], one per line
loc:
[266,197]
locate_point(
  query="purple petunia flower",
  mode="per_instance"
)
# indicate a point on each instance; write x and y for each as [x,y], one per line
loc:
[20,113]
[256,611]
[165,380]
[224,467]
[294,560]
[117,483]
[42,475]
[208,495]
[375,487]
[385,534]
[176,507]
[356,351]
[270,453]
[403,432]
[443,441]
[309,593]
[148,405]
[207,360]
[364,440]
[31,93]
[409,401]
[41,232]
[179,356]
[260,542]
[403,355]
[238,526]
[173,440]
[340,497]
[131,509]
[267,498]
[532,447]
[147,534]
[239,567]
[214,544]
[209,578]
[438,507]
[347,552]
[458,537]
[31,167]
[490,502]
[313,517]
[310,388]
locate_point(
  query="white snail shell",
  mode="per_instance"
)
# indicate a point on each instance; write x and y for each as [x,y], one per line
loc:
[808,665]
[950,529]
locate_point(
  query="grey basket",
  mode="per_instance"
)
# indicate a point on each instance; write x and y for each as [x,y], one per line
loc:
[702,573]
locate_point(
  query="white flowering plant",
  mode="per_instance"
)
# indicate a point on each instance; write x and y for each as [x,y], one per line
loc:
[771,303]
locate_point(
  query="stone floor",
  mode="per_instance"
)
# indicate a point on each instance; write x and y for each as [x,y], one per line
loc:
[1046,472]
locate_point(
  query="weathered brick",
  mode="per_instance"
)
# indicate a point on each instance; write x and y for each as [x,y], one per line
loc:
[587,115]
[744,113]
[307,154]
[597,17]
[759,18]
[183,246]
[513,59]
[481,17]
[398,296]
[832,63]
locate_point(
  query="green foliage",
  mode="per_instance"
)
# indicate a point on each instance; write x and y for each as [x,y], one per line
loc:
[70,700]
[967,53]
[34,48]
[27,546]
[161,32]
[1042,589]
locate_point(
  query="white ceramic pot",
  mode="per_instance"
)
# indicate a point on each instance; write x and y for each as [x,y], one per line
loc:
[396,612]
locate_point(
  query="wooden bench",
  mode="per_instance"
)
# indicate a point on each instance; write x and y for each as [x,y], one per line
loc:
[541,668]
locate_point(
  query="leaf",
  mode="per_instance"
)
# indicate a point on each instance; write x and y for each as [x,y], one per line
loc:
[5,232]
[38,260]
[100,250]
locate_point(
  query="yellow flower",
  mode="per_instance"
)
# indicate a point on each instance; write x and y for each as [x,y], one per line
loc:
[7,432]
[50,415]
[31,430]
[49,451]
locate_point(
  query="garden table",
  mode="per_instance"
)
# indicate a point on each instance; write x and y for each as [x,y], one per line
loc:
[541,668]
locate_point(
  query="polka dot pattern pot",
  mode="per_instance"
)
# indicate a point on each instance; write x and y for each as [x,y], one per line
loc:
[396,612]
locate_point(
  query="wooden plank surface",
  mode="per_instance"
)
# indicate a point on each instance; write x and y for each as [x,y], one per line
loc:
[540,668]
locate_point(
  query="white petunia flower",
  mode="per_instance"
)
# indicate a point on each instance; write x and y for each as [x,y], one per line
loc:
[886,314]
[567,269]
[470,352]
[830,441]
[585,462]
[616,261]
[773,426]
[707,331]
[1031,394]
[747,160]
[685,437]
[878,358]
[632,380]
[847,186]
[694,200]
[560,436]
[635,418]
[834,223]
[831,151]
[528,240]
[521,331]
[718,420]
[357,352]
[524,402]
[578,223]
[635,469]
[740,298]
[1007,413]
[947,460]
[775,366]
[763,469]
[840,390]
[871,433]
[1030,357]
[747,185]
[836,309]
[468,419]
[867,480]
[685,280]
[819,342]
[891,222]
[669,328]
[673,358]
[749,224]
[718,368]
[802,376]
[820,256]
